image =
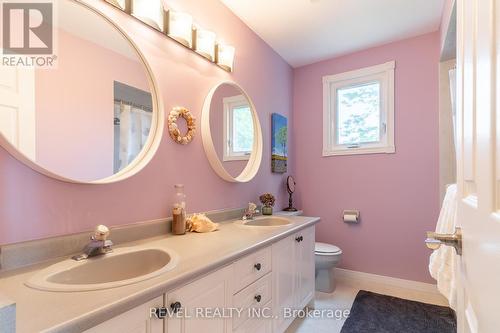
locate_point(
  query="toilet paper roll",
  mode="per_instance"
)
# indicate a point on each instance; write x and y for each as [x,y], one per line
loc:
[351,216]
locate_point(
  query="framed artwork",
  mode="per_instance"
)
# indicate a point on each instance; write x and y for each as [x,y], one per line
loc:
[279,141]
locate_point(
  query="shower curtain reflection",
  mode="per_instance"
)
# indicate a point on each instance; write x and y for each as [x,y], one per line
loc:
[132,126]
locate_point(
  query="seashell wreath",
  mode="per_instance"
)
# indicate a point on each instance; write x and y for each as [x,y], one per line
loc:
[173,129]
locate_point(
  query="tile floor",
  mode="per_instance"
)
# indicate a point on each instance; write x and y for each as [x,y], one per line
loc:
[342,299]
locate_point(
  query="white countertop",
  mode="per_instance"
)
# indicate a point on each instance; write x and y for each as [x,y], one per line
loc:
[292,213]
[44,311]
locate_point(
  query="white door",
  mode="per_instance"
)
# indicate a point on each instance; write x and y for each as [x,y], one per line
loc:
[478,169]
[17,108]
[197,303]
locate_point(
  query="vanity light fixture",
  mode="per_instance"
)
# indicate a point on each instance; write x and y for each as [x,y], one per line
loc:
[180,27]
[204,43]
[122,4]
[225,56]
[150,12]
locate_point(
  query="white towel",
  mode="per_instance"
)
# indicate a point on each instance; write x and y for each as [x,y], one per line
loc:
[442,260]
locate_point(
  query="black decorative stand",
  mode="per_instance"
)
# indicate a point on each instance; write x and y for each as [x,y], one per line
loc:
[290,207]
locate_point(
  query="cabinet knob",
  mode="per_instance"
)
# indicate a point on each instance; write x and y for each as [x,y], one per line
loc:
[301,238]
[161,312]
[176,306]
[297,239]
[257,266]
[258,298]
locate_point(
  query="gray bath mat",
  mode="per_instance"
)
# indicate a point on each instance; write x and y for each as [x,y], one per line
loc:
[375,313]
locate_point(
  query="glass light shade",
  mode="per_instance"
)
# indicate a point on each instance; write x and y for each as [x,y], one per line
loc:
[180,27]
[225,56]
[149,12]
[122,4]
[205,43]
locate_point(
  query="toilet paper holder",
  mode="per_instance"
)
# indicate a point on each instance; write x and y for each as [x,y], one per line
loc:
[351,216]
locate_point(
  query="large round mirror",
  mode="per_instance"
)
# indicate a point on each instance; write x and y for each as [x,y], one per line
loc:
[231,133]
[93,116]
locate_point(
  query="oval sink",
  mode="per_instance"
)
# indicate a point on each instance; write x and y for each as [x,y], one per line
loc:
[121,267]
[267,222]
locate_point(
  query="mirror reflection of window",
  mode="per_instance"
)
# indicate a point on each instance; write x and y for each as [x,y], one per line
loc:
[132,123]
[238,128]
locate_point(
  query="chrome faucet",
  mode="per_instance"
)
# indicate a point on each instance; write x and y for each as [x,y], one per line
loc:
[250,212]
[98,245]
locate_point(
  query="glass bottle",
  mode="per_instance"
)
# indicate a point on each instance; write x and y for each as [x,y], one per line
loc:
[179,211]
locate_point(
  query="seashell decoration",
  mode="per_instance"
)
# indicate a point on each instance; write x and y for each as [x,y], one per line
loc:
[173,129]
[200,223]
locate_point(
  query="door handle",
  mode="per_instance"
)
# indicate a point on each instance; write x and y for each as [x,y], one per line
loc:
[435,240]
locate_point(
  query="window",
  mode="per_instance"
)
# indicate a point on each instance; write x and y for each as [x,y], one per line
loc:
[238,133]
[358,111]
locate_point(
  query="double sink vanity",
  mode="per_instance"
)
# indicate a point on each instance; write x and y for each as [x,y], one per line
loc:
[264,264]
[246,277]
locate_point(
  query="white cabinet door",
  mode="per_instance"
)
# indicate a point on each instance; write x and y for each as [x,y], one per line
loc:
[304,257]
[198,302]
[137,320]
[293,276]
[284,279]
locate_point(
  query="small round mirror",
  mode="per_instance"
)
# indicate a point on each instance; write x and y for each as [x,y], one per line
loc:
[290,187]
[290,184]
[231,133]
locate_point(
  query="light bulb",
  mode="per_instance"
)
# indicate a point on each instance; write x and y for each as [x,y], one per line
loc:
[122,4]
[180,27]
[225,56]
[149,11]
[205,43]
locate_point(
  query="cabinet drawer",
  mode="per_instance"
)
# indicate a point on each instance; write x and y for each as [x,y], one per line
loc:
[253,300]
[250,268]
[256,325]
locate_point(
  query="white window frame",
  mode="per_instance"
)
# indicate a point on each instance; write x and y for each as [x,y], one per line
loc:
[231,103]
[384,75]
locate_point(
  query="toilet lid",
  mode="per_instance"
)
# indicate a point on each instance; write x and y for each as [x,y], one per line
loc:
[324,248]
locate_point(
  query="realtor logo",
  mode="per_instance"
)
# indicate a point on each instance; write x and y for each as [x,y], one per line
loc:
[27,28]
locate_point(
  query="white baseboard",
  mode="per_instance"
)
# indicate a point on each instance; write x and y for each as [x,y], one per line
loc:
[421,291]
[346,274]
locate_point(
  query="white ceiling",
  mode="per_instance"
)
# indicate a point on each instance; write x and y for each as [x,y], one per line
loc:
[307,31]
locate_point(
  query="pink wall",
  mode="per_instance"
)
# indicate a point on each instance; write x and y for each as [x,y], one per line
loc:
[75,102]
[34,206]
[397,194]
[217,128]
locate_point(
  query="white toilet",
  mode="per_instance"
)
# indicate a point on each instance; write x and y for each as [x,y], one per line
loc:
[327,257]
